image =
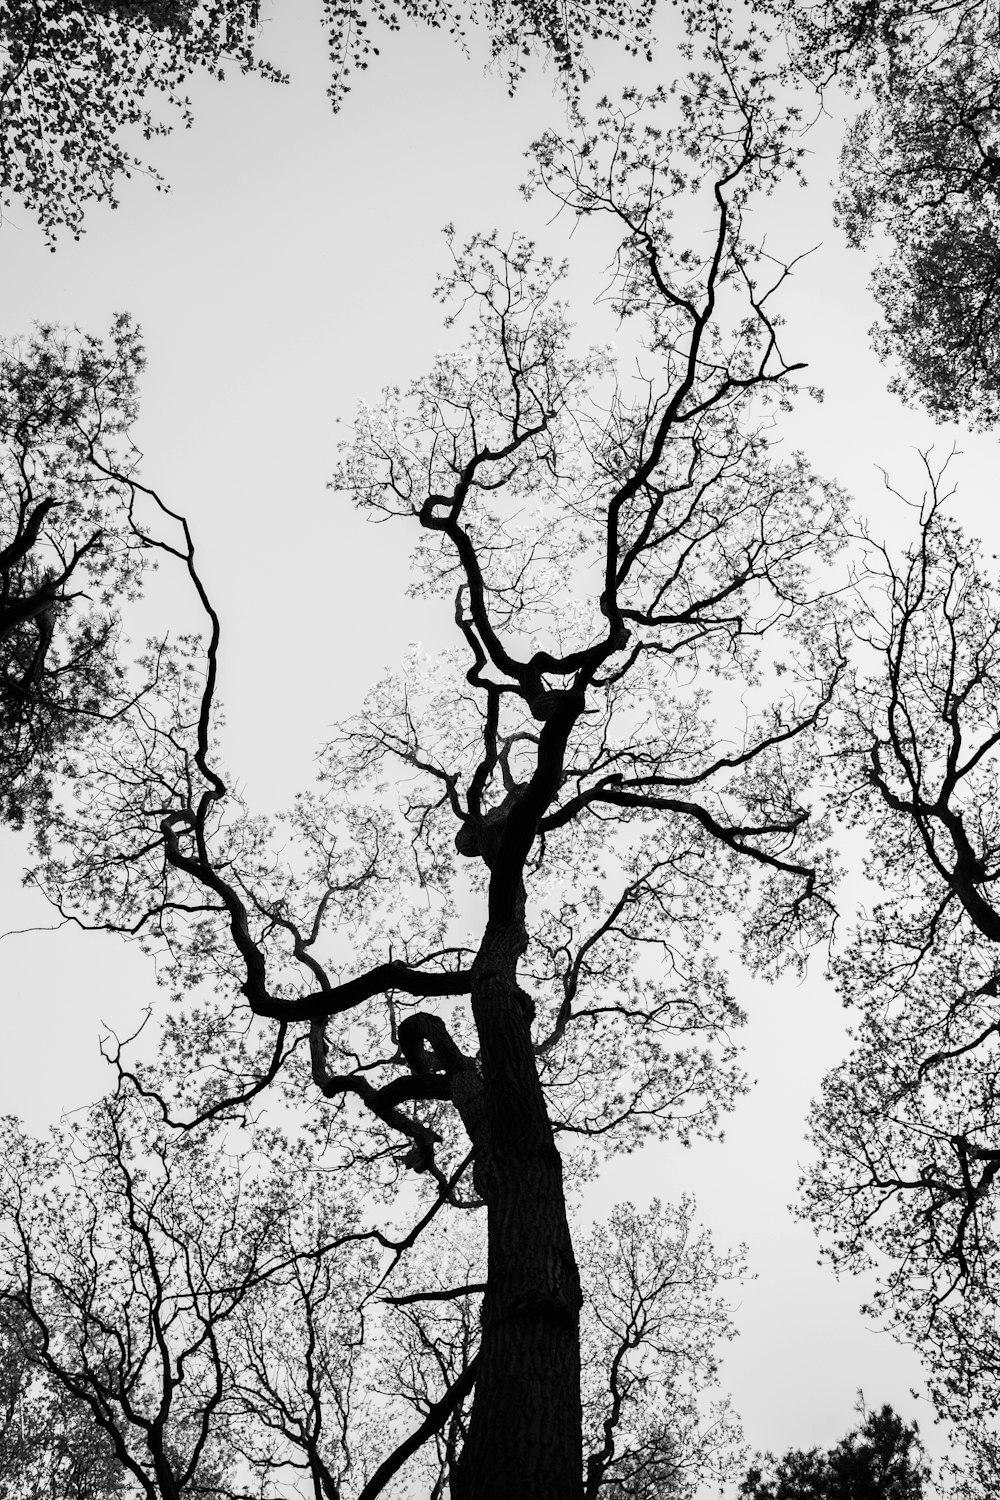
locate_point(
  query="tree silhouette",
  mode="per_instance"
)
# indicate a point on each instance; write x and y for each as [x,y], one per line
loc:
[568,752]
[882,1459]
[74,75]
[151,1278]
[71,550]
[47,1446]
[906,1127]
[204,1315]
[921,165]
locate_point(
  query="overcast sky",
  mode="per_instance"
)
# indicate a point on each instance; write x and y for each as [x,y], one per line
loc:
[286,275]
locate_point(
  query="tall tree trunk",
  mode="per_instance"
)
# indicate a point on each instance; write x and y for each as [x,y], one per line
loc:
[524,1440]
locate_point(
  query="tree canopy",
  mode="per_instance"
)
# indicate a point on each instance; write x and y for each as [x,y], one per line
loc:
[81,79]
[76,76]
[882,1459]
[71,549]
[159,1284]
[568,750]
[906,1126]
[47,1446]
[487,951]
[919,168]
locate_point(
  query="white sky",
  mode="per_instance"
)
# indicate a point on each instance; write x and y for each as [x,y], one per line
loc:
[286,275]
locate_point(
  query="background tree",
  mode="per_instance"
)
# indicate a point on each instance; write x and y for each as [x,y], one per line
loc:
[292,1360]
[654,1322]
[559,32]
[79,78]
[171,1296]
[47,1445]
[907,1126]
[882,1459]
[428,1359]
[921,166]
[71,549]
[973,1469]
[568,751]
[127,1262]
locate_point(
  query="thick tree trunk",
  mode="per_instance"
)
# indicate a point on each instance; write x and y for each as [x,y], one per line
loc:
[524,1440]
[165,1482]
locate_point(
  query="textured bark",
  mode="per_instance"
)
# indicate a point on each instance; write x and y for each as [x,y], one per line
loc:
[524,1435]
[165,1481]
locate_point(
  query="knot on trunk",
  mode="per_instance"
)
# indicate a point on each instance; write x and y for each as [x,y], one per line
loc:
[428,1046]
[479,837]
[526,1002]
[420,1157]
[543,705]
[530,1305]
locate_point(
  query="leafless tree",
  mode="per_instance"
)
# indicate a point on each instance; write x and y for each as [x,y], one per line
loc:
[292,1361]
[655,1320]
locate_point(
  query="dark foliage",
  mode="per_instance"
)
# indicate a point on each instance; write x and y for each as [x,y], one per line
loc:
[921,165]
[517,28]
[80,80]
[69,551]
[48,1445]
[77,74]
[882,1459]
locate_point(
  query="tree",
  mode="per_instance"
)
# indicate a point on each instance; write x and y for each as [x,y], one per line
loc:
[882,1459]
[921,165]
[906,1127]
[568,752]
[148,1275]
[46,1446]
[191,1314]
[71,549]
[653,1323]
[295,1355]
[76,76]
